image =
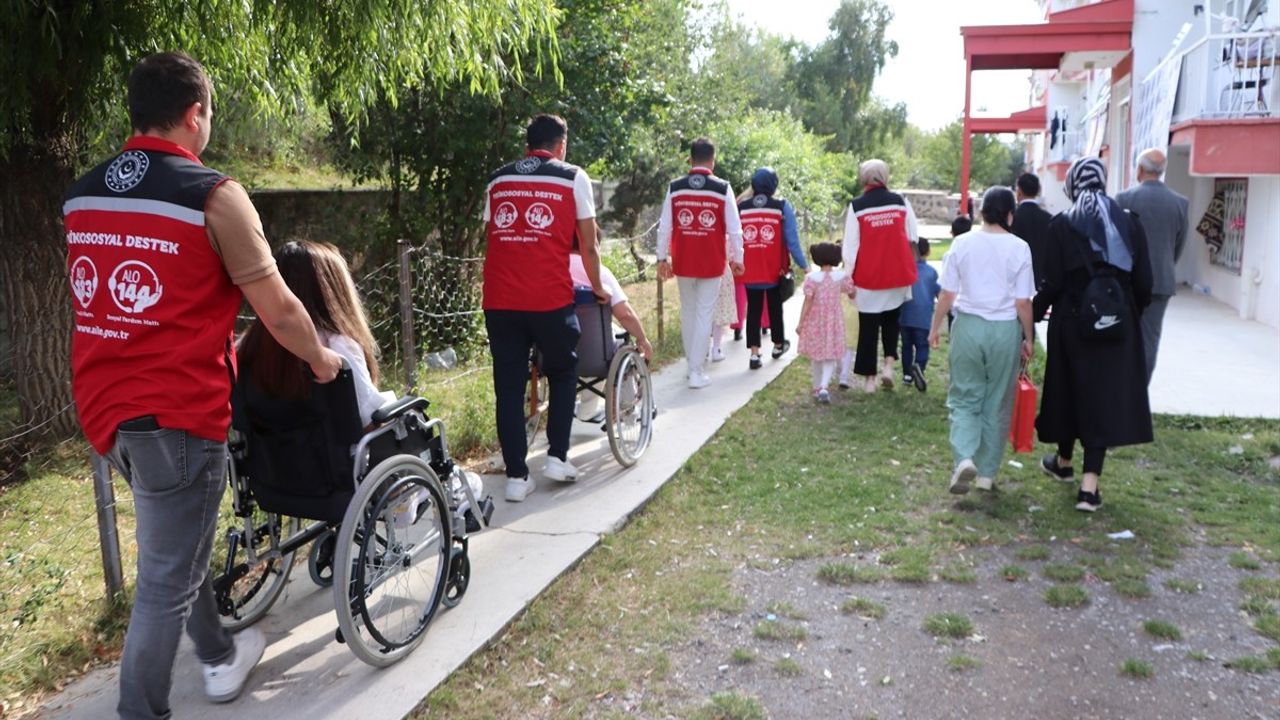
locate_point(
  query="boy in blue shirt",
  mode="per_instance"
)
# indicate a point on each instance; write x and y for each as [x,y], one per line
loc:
[917,313]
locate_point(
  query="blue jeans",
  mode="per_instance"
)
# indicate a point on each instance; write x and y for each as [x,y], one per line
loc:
[915,348]
[177,481]
[512,335]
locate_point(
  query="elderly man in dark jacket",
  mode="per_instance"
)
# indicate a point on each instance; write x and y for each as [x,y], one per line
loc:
[1163,214]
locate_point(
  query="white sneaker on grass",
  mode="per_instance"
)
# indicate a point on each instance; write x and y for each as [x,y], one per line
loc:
[559,470]
[223,683]
[984,484]
[964,474]
[519,488]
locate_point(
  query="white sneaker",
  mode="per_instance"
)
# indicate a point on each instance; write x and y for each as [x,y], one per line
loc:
[559,470]
[964,474]
[223,683]
[519,488]
[699,380]
[984,483]
[717,355]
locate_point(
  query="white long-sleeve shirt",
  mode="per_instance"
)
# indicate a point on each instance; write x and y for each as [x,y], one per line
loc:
[874,301]
[732,224]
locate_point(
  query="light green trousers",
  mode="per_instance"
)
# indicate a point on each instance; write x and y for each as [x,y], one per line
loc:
[984,357]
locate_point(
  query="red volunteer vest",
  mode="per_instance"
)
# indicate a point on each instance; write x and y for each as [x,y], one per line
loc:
[154,309]
[884,256]
[764,250]
[698,232]
[532,219]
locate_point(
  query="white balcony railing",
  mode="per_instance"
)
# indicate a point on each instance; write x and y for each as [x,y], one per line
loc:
[1228,75]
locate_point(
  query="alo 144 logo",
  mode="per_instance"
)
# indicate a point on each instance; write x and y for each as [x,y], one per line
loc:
[134,286]
[539,216]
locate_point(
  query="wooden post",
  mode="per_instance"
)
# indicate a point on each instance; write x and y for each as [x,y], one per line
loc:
[407,344]
[108,536]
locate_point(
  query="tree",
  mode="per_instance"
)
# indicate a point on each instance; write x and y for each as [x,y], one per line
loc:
[990,159]
[834,79]
[65,64]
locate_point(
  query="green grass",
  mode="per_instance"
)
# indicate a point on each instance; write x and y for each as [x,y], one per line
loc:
[1161,630]
[1243,561]
[1186,587]
[1133,589]
[1198,656]
[863,607]
[1063,573]
[1256,606]
[785,610]
[948,625]
[1268,626]
[1268,588]
[1013,573]
[730,706]
[787,667]
[1033,552]
[844,573]
[908,564]
[742,656]
[961,663]
[777,630]
[958,573]
[1250,664]
[1134,668]
[1066,596]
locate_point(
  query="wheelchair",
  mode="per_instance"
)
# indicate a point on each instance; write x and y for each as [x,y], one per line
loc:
[387,523]
[610,367]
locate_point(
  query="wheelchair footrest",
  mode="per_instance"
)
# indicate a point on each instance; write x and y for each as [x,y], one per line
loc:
[486,508]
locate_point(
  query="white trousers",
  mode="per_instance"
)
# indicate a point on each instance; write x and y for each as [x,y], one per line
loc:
[697,305]
[822,371]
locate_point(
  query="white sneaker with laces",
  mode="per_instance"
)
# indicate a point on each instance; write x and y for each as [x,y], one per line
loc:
[223,683]
[964,474]
[559,470]
[699,380]
[519,488]
[717,355]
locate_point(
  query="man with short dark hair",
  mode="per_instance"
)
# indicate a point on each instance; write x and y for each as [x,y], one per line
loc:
[160,251]
[532,209]
[1163,214]
[1031,222]
[698,232]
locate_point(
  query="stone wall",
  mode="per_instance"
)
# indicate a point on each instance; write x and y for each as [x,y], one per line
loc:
[935,206]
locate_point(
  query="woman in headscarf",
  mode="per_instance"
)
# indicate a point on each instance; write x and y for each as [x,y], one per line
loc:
[878,234]
[770,241]
[1095,388]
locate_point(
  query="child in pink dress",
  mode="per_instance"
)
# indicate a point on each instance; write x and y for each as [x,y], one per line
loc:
[821,320]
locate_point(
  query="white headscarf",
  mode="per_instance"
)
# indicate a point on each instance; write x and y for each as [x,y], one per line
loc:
[873,172]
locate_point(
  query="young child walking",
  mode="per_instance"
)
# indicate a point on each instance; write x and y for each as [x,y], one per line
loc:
[917,314]
[821,321]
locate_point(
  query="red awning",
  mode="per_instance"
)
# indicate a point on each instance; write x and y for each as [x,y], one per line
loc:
[1101,27]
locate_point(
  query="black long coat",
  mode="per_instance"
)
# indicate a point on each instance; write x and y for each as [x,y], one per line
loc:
[1094,392]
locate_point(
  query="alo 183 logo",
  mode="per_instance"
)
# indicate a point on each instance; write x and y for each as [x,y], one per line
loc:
[506,216]
[685,217]
[134,286]
[539,216]
[84,280]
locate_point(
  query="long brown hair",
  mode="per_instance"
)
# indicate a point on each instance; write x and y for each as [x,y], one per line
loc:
[320,278]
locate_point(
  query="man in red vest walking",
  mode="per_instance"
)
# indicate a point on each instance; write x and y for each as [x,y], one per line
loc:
[698,232]
[533,208]
[160,251]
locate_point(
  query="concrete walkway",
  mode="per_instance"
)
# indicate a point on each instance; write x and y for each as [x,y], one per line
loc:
[306,674]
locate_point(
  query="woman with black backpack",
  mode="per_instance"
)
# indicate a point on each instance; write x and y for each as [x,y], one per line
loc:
[1097,280]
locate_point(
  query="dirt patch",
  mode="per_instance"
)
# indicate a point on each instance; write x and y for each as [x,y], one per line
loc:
[1024,659]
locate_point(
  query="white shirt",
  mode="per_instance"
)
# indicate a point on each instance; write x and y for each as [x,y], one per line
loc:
[988,272]
[368,397]
[732,226]
[874,301]
[584,197]
[578,271]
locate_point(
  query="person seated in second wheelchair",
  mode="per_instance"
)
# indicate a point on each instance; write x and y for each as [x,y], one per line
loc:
[318,275]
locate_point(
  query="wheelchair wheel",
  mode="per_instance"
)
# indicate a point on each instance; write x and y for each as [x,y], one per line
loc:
[392,558]
[247,570]
[536,393]
[320,559]
[629,405]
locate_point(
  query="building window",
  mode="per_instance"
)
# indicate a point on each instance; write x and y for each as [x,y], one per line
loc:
[1233,192]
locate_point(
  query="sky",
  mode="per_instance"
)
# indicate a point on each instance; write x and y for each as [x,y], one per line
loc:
[928,73]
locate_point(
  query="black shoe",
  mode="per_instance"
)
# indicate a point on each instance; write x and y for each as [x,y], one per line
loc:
[917,378]
[780,350]
[1049,464]
[844,386]
[1088,501]
[737,335]
[755,362]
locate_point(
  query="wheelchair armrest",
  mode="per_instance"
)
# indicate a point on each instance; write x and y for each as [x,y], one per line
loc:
[396,408]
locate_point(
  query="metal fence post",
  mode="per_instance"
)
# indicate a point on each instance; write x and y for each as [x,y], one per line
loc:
[410,355]
[108,535]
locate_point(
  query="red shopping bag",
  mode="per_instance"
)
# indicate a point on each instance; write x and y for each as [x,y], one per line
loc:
[1023,428]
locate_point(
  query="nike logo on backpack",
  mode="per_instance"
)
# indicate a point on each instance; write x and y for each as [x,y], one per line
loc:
[1105,322]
